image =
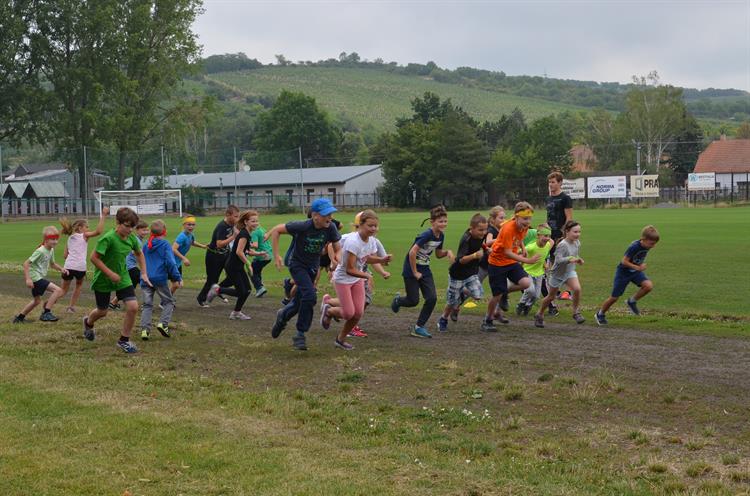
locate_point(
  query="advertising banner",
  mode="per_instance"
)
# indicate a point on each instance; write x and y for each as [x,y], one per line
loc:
[701,180]
[607,187]
[575,188]
[645,186]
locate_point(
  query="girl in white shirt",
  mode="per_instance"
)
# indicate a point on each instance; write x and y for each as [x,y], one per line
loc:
[76,253]
[358,249]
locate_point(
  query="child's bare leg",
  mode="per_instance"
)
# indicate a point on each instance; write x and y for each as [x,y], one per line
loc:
[174,287]
[335,312]
[31,305]
[608,303]
[574,285]
[131,309]
[551,293]
[95,315]
[66,286]
[348,326]
[646,287]
[57,292]
[76,292]
[334,302]
[447,311]
[492,306]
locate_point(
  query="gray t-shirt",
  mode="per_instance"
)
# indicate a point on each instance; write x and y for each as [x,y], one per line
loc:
[565,250]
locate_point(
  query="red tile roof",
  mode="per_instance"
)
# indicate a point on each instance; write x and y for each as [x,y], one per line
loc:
[725,156]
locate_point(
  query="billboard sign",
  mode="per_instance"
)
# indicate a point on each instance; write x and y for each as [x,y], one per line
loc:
[575,188]
[607,187]
[701,180]
[645,186]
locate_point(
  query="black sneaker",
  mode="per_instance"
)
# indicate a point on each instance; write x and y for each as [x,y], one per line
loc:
[503,319]
[395,307]
[114,306]
[19,320]
[600,318]
[48,316]
[520,308]
[163,330]
[88,331]
[538,321]
[504,302]
[279,325]
[553,310]
[488,327]
[526,310]
[299,344]
[578,318]
[633,306]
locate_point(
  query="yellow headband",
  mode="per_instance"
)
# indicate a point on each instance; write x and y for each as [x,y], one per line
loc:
[525,213]
[189,220]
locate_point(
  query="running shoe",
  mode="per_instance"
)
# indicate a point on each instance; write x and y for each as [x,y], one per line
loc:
[565,295]
[539,320]
[488,327]
[145,334]
[420,332]
[526,310]
[343,345]
[70,310]
[502,319]
[114,306]
[633,306]
[19,320]
[299,343]
[127,346]
[454,314]
[213,293]
[223,298]
[504,302]
[203,304]
[578,318]
[48,317]
[442,324]
[88,331]
[285,301]
[163,330]
[260,292]
[238,316]
[279,325]
[357,332]
[520,308]
[600,318]
[395,307]
[325,320]
[553,311]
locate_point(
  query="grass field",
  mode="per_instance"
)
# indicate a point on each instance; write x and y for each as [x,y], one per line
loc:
[656,405]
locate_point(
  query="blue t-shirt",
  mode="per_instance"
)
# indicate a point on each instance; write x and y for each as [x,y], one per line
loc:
[427,242]
[308,242]
[636,253]
[184,242]
[130,261]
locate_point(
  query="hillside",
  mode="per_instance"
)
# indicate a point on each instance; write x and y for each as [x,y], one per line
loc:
[375,99]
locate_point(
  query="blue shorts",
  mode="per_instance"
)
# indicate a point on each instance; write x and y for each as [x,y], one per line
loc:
[622,278]
[499,276]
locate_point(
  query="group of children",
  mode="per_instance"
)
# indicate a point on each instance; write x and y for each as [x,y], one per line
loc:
[538,262]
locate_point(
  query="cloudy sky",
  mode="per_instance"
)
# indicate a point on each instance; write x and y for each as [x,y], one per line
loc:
[690,43]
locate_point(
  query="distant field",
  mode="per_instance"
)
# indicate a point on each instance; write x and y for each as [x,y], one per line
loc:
[377,98]
[696,267]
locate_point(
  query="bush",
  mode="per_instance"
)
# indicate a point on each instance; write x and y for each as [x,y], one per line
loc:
[283,205]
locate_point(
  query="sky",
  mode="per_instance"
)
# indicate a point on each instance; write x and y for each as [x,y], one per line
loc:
[697,44]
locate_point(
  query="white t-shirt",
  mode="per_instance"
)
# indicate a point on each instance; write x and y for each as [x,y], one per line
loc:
[352,243]
[77,246]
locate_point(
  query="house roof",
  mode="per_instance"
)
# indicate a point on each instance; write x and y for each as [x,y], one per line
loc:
[316,175]
[725,156]
[46,189]
[14,190]
[39,175]
[26,169]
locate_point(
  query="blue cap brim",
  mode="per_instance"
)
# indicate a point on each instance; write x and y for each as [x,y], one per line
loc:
[328,211]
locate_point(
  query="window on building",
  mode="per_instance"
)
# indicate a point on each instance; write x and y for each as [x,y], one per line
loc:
[290,195]
[249,198]
[332,194]
[309,194]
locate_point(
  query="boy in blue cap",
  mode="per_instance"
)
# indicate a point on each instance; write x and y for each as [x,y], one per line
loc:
[303,259]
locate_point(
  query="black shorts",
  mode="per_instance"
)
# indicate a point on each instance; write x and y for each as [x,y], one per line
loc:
[499,276]
[135,277]
[77,274]
[179,269]
[40,287]
[102,297]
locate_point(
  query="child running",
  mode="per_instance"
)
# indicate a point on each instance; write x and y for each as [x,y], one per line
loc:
[131,262]
[236,266]
[303,259]
[161,268]
[181,246]
[111,274]
[35,270]
[417,274]
[563,271]
[218,250]
[508,253]
[358,249]
[463,275]
[261,245]
[76,252]
[631,268]
[541,244]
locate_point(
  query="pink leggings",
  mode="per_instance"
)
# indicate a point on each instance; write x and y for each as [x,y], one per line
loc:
[352,298]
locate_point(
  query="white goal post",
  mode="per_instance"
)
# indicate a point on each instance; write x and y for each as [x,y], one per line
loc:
[143,202]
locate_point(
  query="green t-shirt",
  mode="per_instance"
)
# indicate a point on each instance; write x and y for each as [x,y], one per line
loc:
[537,269]
[39,263]
[113,250]
[257,237]
[530,237]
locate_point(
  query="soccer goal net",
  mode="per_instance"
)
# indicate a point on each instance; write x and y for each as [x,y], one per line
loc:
[143,202]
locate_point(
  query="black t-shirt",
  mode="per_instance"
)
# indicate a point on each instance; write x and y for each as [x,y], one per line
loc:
[484,263]
[308,242]
[466,246]
[233,260]
[221,232]
[556,206]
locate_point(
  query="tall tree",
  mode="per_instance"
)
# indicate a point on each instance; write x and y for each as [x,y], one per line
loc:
[743,131]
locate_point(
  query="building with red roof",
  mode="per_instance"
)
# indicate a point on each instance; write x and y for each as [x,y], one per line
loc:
[729,160]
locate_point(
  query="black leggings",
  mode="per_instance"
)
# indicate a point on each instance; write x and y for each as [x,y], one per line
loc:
[241,290]
[413,286]
[214,265]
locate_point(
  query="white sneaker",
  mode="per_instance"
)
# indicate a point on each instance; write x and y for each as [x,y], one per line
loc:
[212,293]
[238,316]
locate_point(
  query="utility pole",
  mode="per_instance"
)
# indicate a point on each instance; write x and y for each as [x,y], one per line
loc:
[301,183]
[163,183]
[235,174]
[638,158]
[2,211]
[85,184]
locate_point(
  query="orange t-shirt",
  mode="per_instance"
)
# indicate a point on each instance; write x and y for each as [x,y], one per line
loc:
[510,236]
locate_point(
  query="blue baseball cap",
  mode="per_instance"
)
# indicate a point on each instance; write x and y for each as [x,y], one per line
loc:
[323,206]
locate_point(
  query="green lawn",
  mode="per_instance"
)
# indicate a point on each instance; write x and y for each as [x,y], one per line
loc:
[697,267]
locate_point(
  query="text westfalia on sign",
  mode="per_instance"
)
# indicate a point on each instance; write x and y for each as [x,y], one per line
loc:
[646,186]
[607,187]
[701,181]
[574,188]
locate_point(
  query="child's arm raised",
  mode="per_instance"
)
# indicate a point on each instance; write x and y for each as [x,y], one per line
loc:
[99,227]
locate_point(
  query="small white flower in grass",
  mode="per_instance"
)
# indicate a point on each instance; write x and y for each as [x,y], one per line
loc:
[468,461]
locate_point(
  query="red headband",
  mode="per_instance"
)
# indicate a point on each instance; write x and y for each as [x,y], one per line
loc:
[51,236]
[151,238]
